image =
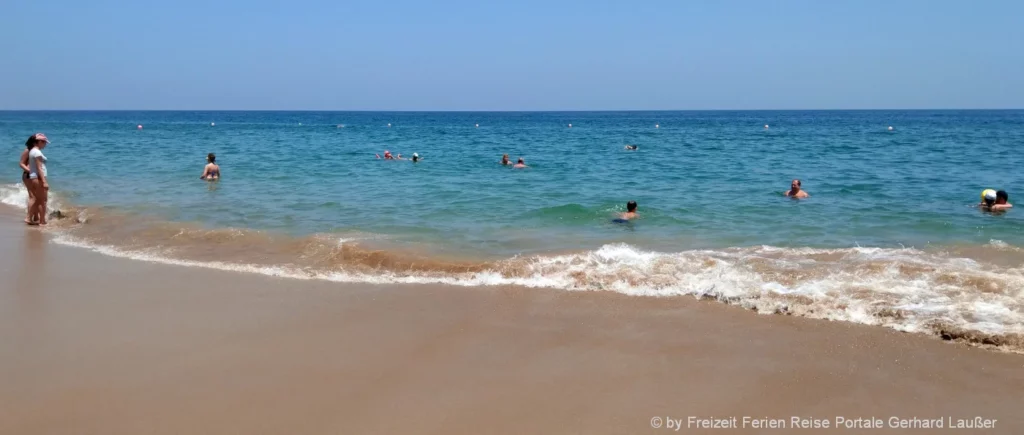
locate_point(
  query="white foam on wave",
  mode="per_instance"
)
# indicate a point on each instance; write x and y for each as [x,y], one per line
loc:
[17,195]
[904,289]
[1003,246]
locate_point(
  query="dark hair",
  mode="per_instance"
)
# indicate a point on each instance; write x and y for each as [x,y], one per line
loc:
[798,183]
[520,160]
[630,206]
[31,142]
[1002,195]
[211,157]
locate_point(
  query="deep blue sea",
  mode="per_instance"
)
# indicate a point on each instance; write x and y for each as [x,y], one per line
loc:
[714,220]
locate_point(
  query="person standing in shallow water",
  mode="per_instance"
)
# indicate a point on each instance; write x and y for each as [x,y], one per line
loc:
[37,180]
[520,164]
[212,171]
[505,161]
[796,191]
[23,161]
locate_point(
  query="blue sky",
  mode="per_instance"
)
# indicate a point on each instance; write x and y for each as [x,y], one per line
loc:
[521,55]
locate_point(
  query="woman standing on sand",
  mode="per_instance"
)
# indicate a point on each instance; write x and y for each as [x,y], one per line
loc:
[37,179]
[25,170]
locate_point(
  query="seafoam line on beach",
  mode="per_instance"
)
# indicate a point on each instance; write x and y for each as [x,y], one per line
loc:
[903,289]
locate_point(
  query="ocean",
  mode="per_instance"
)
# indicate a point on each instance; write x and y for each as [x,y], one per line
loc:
[890,236]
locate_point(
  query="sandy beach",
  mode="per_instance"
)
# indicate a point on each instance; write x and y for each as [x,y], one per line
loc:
[91,344]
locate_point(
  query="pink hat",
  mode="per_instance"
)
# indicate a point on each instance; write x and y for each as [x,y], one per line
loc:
[40,136]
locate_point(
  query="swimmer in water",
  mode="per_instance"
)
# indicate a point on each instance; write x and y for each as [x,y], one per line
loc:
[415,158]
[520,164]
[995,201]
[631,147]
[388,156]
[795,190]
[630,213]
[1002,201]
[212,171]
[505,161]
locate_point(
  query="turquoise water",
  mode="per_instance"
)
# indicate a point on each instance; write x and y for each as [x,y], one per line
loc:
[702,179]
[890,236]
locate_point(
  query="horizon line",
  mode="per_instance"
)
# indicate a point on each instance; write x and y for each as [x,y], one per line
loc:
[511,111]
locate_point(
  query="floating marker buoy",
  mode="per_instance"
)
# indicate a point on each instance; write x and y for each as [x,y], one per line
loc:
[890,128]
[389,125]
[341,125]
[300,123]
[570,125]
[139,127]
[212,124]
[766,126]
[657,126]
[478,126]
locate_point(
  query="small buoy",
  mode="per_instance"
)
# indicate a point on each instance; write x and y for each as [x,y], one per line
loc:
[341,125]
[657,126]
[139,127]
[478,126]
[212,124]
[570,125]
[890,128]
[766,126]
[300,123]
[389,125]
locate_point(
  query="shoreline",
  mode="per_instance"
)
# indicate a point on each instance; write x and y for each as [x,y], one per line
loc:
[836,284]
[97,344]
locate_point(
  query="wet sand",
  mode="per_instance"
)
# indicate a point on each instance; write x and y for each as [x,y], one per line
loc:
[97,345]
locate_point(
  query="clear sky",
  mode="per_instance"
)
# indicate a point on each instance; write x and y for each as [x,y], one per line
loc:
[511,55]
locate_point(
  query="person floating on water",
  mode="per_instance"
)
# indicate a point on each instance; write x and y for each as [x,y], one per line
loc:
[631,147]
[520,164]
[505,161]
[415,158]
[992,200]
[795,191]
[212,171]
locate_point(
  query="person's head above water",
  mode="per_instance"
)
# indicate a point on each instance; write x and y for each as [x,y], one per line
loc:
[631,206]
[988,197]
[211,158]
[521,161]
[1002,197]
[796,190]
